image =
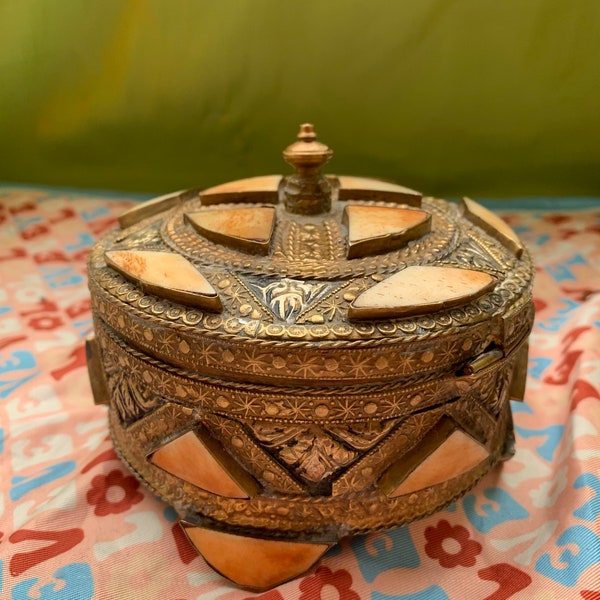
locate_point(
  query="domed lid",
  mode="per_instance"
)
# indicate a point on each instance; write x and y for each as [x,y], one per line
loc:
[314,261]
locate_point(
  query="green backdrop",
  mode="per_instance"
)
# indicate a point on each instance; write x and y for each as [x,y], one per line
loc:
[476,97]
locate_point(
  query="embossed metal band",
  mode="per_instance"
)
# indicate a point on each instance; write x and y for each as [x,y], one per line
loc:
[300,516]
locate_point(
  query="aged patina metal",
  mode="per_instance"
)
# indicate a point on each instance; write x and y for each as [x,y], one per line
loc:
[291,360]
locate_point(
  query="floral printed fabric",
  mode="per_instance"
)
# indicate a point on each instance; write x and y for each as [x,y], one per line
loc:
[75,524]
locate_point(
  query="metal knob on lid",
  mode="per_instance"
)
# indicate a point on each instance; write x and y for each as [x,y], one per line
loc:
[307,192]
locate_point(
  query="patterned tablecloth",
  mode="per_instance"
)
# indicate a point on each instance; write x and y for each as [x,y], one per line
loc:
[75,524]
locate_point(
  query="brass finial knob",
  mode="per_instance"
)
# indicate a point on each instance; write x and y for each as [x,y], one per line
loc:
[307,191]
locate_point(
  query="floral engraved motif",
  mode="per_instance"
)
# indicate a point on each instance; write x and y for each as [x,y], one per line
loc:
[130,399]
[286,298]
[363,435]
[310,451]
[471,254]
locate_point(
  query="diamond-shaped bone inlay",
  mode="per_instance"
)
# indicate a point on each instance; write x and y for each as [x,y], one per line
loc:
[204,463]
[444,453]
[364,188]
[377,229]
[251,562]
[166,275]
[253,189]
[420,289]
[248,229]
[493,225]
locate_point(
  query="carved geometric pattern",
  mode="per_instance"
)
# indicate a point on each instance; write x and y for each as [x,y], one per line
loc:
[314,453]
[366,364]
[362,436]
[381,402]
[309,451]
[312,250]
[513,290]
[312,243]
[166,422]
[472,254]
[404,434]
[299,515]
[251,455]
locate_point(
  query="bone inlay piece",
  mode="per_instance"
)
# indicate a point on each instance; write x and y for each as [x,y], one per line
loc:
[376,229]
[420,289]
[189,458]
[253,189]
[363,188]
[492,224]
[164,274]
[151,207]
[248,229]
[252,562]
[456,455]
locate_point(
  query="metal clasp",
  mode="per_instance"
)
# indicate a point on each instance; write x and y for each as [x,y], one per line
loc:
[484,360]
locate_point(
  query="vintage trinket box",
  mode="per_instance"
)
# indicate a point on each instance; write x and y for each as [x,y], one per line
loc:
[289,360]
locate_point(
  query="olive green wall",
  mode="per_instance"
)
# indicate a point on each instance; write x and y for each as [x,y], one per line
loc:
[481,97]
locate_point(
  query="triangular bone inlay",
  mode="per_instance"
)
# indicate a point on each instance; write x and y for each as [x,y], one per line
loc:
[251,562]
[420,289]
[166,275]
[254,189]
[444,453]
[248,229]
[204,463]
[376,229]
[365,188]
[492,224]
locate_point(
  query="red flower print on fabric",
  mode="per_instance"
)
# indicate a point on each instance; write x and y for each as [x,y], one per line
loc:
[311,587]
[47,322]
[113,493]
[451,546]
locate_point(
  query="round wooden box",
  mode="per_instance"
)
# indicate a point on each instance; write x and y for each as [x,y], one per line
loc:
[289,360]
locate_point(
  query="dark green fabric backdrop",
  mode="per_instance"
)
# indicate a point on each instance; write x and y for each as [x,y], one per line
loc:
[477,97]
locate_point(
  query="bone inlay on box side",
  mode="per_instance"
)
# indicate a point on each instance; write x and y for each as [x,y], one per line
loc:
[190,459]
